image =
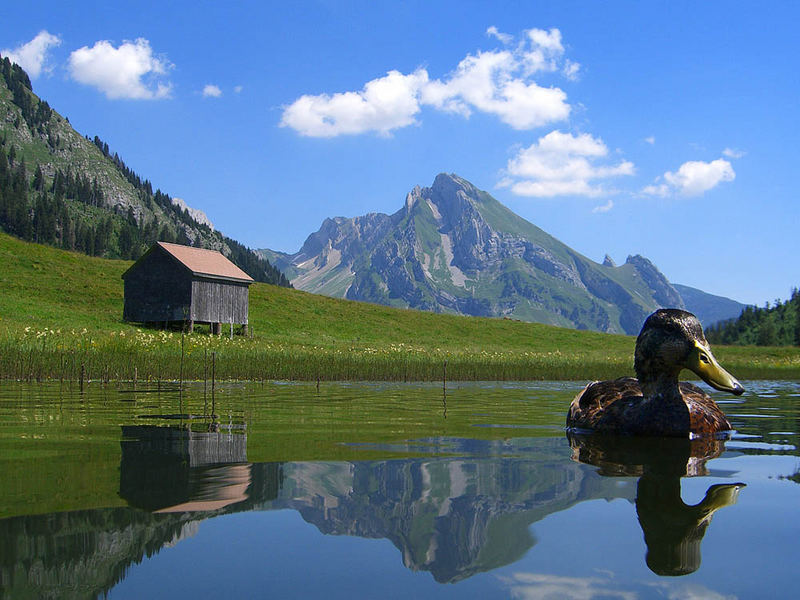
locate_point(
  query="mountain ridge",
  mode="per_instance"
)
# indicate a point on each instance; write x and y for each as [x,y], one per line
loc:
[454,248]
[60,188]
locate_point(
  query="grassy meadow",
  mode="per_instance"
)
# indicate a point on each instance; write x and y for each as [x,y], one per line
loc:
[61,316]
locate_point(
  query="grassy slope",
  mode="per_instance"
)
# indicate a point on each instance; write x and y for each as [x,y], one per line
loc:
[44,287]
[41,286]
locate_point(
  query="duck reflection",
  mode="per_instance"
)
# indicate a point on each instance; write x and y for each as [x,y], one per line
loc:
[673,530]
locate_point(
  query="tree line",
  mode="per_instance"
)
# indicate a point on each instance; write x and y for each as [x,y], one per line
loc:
[776,325]
[35,211]
[36,114]
[50,213]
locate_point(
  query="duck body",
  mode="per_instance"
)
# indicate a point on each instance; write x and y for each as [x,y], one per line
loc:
[620,407]
[656,403]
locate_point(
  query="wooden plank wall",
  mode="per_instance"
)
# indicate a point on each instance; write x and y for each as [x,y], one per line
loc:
[215,301]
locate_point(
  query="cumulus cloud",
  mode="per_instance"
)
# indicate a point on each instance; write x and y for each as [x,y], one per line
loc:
[498,82]
[131,71]
[384,104]
[693,178]
[561,164]
[211,91]
[32,56]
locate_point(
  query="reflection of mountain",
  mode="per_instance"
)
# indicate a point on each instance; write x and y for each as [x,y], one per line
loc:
[81,554]
[452,516]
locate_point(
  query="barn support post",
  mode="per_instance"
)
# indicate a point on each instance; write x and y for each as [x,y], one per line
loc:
[190,325]
[244,329]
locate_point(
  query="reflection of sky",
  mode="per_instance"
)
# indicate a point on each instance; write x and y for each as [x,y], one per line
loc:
[595,549]
[589,549]
[536,586]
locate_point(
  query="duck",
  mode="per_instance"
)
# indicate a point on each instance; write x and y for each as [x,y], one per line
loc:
[655,403]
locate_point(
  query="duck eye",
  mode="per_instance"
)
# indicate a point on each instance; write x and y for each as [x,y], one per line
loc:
[704,358]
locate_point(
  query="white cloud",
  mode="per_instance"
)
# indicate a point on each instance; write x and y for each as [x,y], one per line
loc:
[497,82]
[505,38]
[33,56]
[211,91]
[604,208]
[692,178]
[238,89]
[561,164]
[650,139]
[485,82]
[131,71]
[383,105]
[571,70]
[660,189]
[733,153]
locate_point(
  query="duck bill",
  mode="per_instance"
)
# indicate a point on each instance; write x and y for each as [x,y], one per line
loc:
[703,363]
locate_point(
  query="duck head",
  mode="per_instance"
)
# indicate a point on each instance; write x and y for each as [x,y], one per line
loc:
[672,340]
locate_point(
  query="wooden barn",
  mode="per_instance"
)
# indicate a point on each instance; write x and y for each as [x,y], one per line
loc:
[174,283]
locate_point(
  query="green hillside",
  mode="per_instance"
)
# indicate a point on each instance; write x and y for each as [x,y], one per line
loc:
[46,287]
[776,325]
[62,189]
[62,310]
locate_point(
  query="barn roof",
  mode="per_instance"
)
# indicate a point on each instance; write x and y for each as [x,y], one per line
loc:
[205,262]
[201,262]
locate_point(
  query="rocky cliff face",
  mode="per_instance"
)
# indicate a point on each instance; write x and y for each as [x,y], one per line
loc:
[454,248]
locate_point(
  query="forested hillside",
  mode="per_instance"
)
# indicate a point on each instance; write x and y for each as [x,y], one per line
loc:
[777,325]
[64,190]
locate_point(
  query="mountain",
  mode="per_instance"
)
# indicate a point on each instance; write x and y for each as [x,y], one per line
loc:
[710,309]
[61,189]
[454,248]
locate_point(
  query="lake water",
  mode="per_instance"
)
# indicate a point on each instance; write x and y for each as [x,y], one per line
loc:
[386,491]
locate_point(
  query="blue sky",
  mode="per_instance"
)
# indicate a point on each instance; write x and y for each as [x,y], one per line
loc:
[667,129]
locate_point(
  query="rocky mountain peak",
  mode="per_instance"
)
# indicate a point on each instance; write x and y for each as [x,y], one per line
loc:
[413,197]
[609,262]
[453,248]
[663,292]
[197,214]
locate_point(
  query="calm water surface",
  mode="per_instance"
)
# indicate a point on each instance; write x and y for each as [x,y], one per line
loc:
[386,491]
